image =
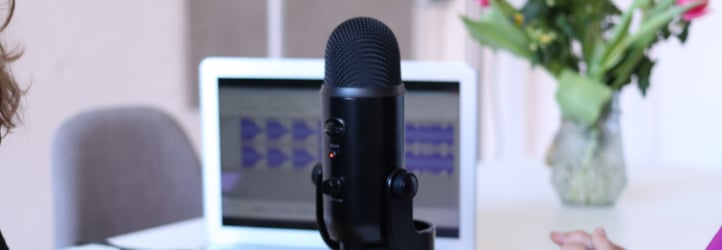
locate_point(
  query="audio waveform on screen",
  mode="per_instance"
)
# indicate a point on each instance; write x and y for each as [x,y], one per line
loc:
[301,130]
[301,158]
[430,148]
[275,143]
[275,130]
[229,180]
[250,156]
[432,163]
[432,133]
[249,129]
[275,157]
[278,143]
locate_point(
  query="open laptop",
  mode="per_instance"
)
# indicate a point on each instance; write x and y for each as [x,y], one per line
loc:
[261,138]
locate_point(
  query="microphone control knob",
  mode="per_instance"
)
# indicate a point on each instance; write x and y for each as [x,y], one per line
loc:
[405,185]
[317,174]
[333,187]
[334,127]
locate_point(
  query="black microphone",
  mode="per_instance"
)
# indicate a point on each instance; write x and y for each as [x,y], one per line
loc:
[362,172]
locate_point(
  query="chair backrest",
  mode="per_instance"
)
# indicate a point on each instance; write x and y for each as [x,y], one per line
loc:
[119,170]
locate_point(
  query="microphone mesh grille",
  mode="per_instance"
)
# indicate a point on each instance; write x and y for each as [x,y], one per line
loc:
[362,52]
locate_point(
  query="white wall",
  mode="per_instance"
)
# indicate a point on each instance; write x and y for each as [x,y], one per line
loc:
[690,90]
[80,55]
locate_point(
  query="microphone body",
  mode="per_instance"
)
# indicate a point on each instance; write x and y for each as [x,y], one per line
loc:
[359,158]
[363,193]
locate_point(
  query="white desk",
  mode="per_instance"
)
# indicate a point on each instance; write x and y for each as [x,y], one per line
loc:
[91,247]
[662,208]
[188,234]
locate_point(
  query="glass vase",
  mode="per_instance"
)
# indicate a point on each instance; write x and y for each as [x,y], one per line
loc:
[587,162]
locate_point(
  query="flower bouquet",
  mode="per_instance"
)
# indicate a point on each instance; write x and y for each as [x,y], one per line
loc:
[593,49]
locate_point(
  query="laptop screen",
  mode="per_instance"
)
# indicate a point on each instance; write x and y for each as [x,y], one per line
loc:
[270,141]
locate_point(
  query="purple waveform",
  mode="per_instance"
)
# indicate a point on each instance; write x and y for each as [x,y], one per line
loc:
[434,163]
[435,133]
[229,180]
[249,157]
[249,129]
[301,158]
[275,158]
[410,133]
[301,130]
[275,129]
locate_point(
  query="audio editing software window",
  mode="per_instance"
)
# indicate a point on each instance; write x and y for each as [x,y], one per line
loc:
[270,134]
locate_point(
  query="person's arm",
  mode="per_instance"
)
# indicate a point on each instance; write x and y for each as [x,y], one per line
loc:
[581,240]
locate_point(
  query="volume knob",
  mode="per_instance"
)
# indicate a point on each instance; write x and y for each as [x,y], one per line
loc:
[334,127]
[332,187]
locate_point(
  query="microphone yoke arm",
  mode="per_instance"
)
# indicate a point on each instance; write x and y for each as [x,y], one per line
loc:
[405,233]
[401,231]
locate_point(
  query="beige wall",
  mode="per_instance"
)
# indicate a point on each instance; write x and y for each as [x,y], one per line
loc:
[80,55]
[308,23]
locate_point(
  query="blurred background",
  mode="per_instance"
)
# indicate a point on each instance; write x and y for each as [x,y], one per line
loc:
[82,55]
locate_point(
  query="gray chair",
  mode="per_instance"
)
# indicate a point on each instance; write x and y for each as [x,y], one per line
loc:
[119,170]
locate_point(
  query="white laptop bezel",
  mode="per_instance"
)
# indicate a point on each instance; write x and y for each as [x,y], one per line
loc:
[213,68]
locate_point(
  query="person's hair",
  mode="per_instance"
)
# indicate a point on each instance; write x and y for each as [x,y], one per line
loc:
[10,92]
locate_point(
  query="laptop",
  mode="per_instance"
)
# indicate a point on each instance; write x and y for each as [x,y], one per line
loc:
[261,137]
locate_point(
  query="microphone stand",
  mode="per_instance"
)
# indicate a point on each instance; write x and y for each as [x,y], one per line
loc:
[401,231]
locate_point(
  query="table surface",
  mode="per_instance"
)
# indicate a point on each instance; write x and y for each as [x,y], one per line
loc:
[661,208]
[188,234]
[91,247]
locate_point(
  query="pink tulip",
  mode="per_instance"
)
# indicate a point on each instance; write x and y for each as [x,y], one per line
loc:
[484,3]
[694,12]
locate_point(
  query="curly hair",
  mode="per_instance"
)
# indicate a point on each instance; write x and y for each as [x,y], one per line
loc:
[10,92]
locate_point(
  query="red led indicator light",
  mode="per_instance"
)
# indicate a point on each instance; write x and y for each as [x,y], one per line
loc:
[331,155]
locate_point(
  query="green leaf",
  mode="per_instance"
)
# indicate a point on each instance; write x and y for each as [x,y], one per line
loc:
[685,32]
[664,33]
[643,38]
[534,10]
[580,98]
[612,53]
[624,70]
[661,6]
[590,41]
[564,25]
[498,35]
[498,14]
[504,7]
[643,71]
[591,19]
[646,33]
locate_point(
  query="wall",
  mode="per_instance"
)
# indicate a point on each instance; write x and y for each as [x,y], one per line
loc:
[308,23]
[80,55]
